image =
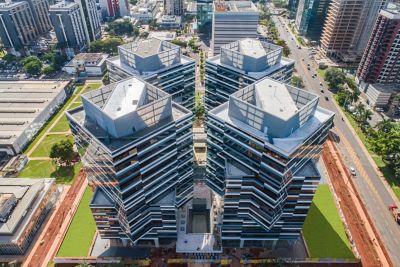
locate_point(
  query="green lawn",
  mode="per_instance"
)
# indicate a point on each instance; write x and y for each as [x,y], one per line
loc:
[61,126]
[43,150]
[81,231]
[75,104]
[323,230]
[383,167]
[50,122]
[322,72]
[91,87]
[48,169]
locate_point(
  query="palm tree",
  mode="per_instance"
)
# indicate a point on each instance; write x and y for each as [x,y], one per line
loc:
[384,126]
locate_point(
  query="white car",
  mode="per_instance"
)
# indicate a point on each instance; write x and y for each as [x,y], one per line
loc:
[352,171]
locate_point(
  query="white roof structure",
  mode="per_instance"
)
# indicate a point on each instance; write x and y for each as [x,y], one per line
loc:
[251,47]
[273,98]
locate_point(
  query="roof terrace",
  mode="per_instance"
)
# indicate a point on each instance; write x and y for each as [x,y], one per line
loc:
[149,55]
[234,6]
[277,113]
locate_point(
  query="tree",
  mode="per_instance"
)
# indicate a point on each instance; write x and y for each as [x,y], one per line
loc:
[122,27]
[286,49]
[62,151]
[144,35]
[48,70]
[32,65]
[108,46]
[179,42]
[297,81]
[106,79]
[9,58]
[334,77]
[133,2]
[199,108]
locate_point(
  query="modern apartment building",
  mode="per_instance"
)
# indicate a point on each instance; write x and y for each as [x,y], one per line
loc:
[40,11]
[114,8]
[204,15]
[262,149]
[92,18]
[240,64]
[174,7]
[136,147]
[348,26]
[159,63]
[232,21]
[17,26]
[310,17]
[292,8]
[380,62]
[70,25]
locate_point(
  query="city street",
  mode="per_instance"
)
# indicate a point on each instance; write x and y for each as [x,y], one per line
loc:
[375,193]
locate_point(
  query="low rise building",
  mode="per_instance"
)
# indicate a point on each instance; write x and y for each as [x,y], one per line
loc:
[25,106]
[383,95]
[87,65]
[241,63]
[27,203]
[159,63]
[163,35]
[169,22]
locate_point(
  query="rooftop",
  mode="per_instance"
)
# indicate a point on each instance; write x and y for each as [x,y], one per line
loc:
[252,57]
[146,56]
[392,11]
[234,6]
[63,5]
[29,193]
[276,113]
[21,103]
[125,111]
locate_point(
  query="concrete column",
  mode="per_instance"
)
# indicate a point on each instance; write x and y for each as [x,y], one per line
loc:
[274,244]
[241,243]
[156,243]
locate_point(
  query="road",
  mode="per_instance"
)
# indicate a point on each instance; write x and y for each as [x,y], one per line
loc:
[375,194]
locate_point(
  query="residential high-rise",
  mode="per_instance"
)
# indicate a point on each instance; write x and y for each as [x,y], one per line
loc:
[380,62]
[262,148]
[159,63]
[69,25]
[204,15]
[348,26]
[17,26]
[232,21]
[114,8]
[40,11]
[292,8]
[92,19]
[136,147]
[174,7]
[240,64]
[310,17]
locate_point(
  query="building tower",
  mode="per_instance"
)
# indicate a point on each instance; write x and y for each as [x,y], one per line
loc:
[69,25]
[262,149]
[174,7]
[241,63]
[40,11]
[204,15]
[17,26]
[92,19]
[232,21]
[159,63]
[380,62]
[310,17]
[348,26]
[292,8]
[136,147]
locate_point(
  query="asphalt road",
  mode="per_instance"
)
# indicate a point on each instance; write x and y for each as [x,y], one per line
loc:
[375,195]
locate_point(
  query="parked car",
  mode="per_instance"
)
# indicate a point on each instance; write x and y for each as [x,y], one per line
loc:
[352,171]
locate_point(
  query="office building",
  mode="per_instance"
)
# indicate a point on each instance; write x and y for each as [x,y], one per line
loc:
[92,18]
[204,15]
[380,62]
[240,64]
[232,21]
[383,96]
[24,204]
[25,106]
[70,25]
[348,26]
[174,7]
[292,8]
[159,63]
[111,9]
[17,26]
[136,146]
[310,18]
[262,150]
[40,12]
[169,22]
